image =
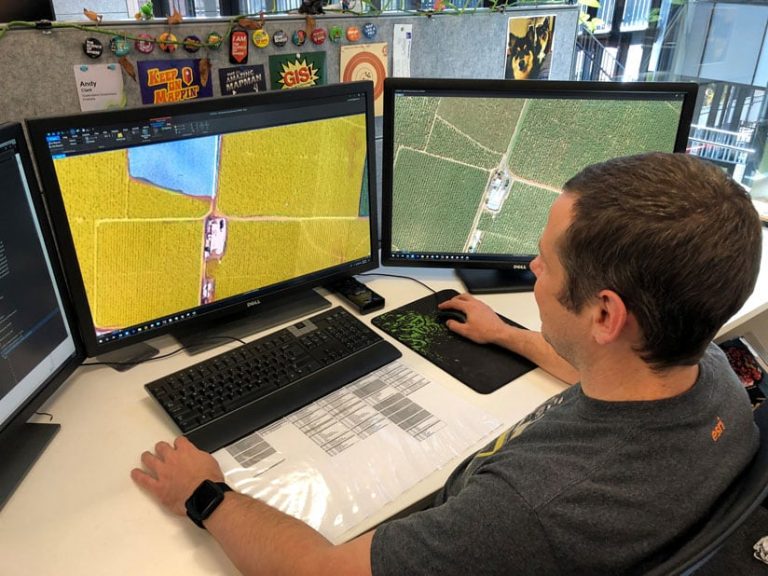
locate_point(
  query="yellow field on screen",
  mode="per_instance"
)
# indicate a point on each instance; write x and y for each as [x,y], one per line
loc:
[282,205]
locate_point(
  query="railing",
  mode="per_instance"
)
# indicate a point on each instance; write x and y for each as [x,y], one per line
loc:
[721,145]
[671,27]
[594,61]
[636,15]
[256,6]
[605,14]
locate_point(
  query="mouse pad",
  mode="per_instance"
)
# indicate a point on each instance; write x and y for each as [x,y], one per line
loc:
[482,367]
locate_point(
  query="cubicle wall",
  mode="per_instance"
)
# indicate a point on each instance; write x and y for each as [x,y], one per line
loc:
[37,77]
[37,68]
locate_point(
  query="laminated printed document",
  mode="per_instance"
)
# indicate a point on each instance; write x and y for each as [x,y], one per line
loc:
[340,459]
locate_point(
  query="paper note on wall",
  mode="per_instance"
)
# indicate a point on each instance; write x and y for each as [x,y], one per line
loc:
[401,50]
[99,86]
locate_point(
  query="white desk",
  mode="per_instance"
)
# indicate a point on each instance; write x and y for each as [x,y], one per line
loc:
[79,513]
[755,309]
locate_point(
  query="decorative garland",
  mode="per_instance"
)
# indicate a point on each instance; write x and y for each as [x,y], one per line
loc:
[253,22]
[247,20]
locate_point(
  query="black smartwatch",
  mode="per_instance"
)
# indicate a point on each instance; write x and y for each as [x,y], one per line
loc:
[204,500]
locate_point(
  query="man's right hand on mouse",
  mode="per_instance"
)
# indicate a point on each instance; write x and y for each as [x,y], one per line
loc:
[483,325]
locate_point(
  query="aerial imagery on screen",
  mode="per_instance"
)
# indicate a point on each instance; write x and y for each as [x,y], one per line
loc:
[478,175]
[167,227]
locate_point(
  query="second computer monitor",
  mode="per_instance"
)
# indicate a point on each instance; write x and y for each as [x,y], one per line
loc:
[38,349]
[471,167]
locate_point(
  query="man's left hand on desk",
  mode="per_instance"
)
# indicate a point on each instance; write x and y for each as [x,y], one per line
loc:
[171,473]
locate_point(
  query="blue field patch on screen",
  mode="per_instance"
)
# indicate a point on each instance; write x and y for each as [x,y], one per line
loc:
[186,166]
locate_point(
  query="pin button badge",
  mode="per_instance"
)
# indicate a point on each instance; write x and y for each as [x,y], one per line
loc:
[335,34]
[214,40]
[353,33]
[260,38]
[279,38]
[166,42]
[369,30]
[318,36]
[93,47]
[144,43]
[119,46]
[192,43]
[299,37]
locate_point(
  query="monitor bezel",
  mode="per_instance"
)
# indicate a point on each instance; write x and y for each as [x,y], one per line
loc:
[235,306]
[39,10]
[514,264]
[18,418]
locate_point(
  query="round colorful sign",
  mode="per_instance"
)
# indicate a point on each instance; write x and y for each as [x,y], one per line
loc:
[260,38]
[144,43]
[318,36]
[166,42]
[335,34]
[214,40]
[299,37]
[119,45]
[353,33]
[192,43]
[366,66]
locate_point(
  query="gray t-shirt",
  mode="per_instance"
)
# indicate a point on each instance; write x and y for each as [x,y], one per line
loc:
[582,486]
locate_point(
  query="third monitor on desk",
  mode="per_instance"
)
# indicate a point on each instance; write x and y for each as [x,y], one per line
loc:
[471,167]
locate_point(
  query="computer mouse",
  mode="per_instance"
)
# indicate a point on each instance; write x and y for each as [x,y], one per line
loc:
[444,315]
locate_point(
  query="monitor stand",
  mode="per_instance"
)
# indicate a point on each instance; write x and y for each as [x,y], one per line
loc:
[128,357]
[19,450]
[273,311]
[492,281]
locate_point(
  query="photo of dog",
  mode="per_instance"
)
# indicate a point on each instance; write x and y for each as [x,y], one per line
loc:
[529,44]
[521,47]
[543,29]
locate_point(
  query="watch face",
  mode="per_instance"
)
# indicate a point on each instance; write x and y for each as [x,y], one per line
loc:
[204,501]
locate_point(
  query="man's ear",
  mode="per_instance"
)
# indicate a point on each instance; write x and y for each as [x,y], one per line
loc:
[609,317]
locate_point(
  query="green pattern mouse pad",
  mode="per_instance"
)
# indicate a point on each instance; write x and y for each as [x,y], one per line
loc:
[482,367]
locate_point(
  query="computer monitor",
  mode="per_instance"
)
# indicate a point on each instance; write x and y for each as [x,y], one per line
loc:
[471,167]
[27,11]
[175,218]
[38,350]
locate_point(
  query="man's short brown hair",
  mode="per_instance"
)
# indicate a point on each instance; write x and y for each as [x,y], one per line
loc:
[674,236]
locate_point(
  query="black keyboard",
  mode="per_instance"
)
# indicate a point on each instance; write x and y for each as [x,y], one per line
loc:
[230,395]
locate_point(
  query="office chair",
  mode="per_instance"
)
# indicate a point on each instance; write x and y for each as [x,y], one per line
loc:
[734,507]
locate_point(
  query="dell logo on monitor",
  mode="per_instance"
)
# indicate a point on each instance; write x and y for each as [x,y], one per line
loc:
[253,303]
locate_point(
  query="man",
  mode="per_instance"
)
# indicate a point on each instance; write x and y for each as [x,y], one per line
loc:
[642,260]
